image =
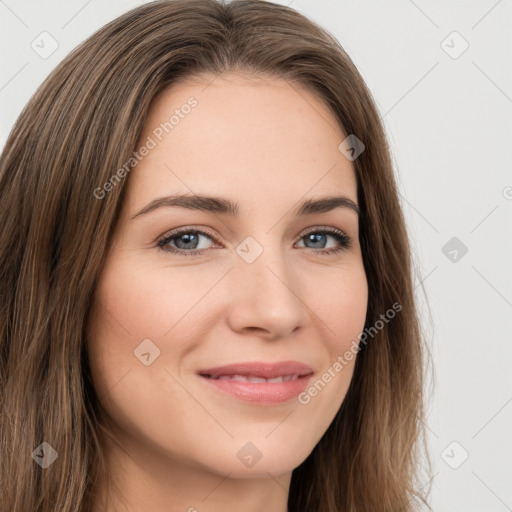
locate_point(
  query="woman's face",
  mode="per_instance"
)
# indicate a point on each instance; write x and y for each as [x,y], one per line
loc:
[257,287]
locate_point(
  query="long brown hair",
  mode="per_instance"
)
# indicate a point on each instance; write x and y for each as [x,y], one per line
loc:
[82,125]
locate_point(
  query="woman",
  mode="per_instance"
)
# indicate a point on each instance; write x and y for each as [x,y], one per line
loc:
[206,277]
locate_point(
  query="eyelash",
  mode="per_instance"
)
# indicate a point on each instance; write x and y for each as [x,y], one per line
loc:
[344,240]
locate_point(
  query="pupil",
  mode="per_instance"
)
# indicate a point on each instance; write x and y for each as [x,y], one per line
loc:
[315,238]
[187,238]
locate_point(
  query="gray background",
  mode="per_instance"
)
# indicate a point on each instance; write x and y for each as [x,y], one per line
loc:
[448,116]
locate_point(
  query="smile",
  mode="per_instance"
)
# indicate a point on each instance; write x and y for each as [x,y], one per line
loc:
[262,383]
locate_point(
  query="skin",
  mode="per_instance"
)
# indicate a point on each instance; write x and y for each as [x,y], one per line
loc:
[268,146]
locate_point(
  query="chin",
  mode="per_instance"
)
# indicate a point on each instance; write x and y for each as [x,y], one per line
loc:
[258,458]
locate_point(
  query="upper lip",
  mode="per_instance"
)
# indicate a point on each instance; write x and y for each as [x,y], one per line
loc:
[259,369]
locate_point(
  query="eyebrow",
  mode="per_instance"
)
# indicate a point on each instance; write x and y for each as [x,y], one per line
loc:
[225,206]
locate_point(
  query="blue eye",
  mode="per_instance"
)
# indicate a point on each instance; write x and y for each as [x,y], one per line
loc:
[187,241]
[316,237]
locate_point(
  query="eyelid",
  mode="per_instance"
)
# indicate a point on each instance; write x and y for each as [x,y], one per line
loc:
[314,229]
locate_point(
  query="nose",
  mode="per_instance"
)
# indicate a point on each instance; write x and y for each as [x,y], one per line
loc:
[266,297]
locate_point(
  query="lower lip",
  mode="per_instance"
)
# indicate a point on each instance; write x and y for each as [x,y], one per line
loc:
[261,392]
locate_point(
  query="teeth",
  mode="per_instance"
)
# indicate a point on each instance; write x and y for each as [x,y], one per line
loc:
[250,378]
[256,379]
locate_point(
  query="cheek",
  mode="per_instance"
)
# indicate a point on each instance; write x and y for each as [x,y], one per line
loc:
[134,302]
[138,301]
[341,313]
[341,305]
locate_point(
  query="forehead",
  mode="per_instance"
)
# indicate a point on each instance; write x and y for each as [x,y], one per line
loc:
[251,137]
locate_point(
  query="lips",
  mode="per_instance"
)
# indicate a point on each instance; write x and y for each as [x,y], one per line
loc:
[252,378]
[258,382]
[287,370]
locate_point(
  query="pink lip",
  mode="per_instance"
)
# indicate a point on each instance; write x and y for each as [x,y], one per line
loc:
[262,392]
[260,369]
